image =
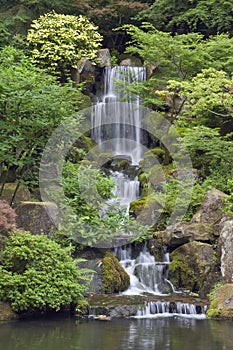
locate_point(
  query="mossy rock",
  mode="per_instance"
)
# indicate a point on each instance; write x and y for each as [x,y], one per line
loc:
[221,302]
[115,278]
[105,159]
[22,193]
[194,267]
[6,314]
[147,210]
[34,217]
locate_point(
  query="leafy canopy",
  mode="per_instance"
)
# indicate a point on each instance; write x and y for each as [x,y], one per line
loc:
[59,41]
[32,104]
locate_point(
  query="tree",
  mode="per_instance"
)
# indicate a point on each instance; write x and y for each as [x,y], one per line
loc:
[205,16]
[59,41]
[179,57]
[37,274]
[32,105]
[208,97]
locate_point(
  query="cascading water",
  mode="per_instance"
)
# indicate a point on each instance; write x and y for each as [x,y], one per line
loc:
[116,127]
[146,275]
[116,120]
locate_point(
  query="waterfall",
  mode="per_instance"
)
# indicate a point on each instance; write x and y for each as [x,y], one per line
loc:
[126,190]
[146,275]
[171,308]
[116,119]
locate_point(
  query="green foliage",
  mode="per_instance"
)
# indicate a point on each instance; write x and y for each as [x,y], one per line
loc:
[206,16]
[37,274]
[115,279]
[92,221]
[207,96]
[211,154]
[213,311]
[32,104]
[59,41]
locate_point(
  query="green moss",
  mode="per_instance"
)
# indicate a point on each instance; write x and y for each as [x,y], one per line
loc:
[115,279]
[82,307]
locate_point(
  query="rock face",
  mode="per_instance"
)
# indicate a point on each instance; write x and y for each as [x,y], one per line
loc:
[222,302]
[33,216]
[194,267]
[6,314]
[104,58]
[211,209]
[226,239]
[22,193]
[184,232]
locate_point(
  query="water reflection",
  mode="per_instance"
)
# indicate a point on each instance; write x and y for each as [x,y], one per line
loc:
[133,334]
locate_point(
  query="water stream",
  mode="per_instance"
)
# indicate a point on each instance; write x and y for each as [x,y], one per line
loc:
[116,125]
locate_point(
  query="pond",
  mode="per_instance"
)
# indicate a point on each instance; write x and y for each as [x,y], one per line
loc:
[173,333]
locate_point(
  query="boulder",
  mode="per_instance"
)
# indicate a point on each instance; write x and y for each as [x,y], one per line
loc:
[6,314]
[115,278]
[226,242]
[22,193]
[194,267]
[147,210]
[104,58]
[34,217]
[211,209]
[221,305]
[184,232]
[131,61]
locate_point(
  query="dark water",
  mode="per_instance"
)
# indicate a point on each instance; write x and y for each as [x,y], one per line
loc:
[119,334]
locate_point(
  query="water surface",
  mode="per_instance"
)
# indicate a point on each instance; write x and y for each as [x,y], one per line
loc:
[173,333]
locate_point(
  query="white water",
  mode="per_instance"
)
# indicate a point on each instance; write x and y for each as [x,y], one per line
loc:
[126,190]
[146,275]
[166,308]
[116,120]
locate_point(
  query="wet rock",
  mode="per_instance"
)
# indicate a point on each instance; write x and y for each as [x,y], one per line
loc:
[226,241]
[34,217]
[194,267]
[184,232]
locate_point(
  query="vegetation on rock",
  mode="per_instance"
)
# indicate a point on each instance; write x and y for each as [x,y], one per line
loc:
[115,279]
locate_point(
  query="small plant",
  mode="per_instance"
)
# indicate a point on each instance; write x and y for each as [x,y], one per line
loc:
[7,217]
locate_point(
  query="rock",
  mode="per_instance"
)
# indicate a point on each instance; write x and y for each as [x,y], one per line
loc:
[147,210]
[226,239]
[184,232]
[131,61]
[115,278]
[221,305]
[194,267]
[22,193]
[104,58]
[33,216]
[211,209]
[6,314]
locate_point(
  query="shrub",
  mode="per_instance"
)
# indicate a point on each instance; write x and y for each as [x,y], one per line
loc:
[7,216]
[38,274]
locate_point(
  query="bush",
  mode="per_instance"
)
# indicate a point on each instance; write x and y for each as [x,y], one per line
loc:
[38,274]
[7,216]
